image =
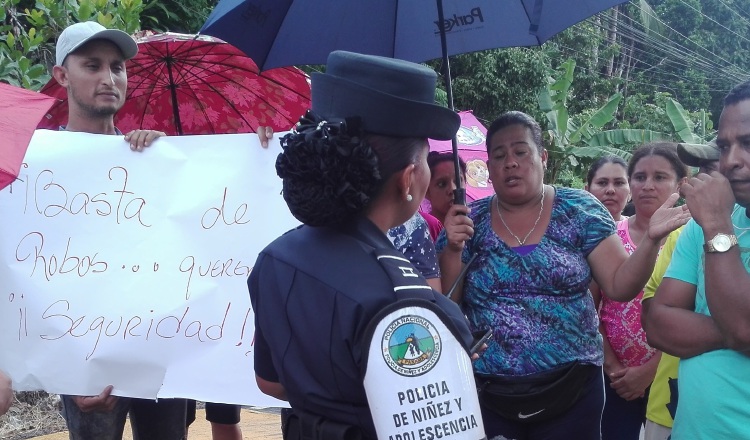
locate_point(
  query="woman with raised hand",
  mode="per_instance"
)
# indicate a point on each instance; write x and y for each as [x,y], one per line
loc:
[534,249]
[355,167]
[655,172]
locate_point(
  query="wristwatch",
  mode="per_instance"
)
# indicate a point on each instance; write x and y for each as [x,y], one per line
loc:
[720,243]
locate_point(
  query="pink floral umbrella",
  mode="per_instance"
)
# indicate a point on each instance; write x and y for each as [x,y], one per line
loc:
[20,110]
[472,149]
[187,84]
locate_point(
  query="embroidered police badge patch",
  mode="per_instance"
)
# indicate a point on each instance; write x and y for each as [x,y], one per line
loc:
[411,345]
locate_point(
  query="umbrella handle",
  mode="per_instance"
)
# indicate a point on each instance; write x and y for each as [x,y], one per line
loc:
[459,196]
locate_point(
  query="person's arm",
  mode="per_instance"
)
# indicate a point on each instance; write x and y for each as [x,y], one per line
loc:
[596,294]
[458,229]
[728,296]
[273,389]
[140,139]
[435,284]
[727,281]
[418,248]
[266,375]
[622,277]
[611,364]
[672,325]
[6,393]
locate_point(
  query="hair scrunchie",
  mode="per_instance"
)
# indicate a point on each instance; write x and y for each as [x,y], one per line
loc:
[329,173]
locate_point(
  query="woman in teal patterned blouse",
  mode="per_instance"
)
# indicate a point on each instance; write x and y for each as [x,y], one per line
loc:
[536,248]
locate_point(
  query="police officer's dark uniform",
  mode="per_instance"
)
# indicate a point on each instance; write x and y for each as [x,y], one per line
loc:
[315,289]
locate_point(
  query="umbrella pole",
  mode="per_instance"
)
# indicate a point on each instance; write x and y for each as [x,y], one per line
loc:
[173,92]
[459,195]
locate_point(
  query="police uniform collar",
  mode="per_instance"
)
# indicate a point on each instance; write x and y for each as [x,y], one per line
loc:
[365,230]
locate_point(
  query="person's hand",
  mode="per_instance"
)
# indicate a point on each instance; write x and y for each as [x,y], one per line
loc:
[710,198]
[614,368]
[458,227]
[478,353]
[264,133]
[631,382]
[103,402]
[6,393]
[140,139]
[667,218]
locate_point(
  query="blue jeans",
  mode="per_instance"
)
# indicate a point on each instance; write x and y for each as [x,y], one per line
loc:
[581,422]
[150,420]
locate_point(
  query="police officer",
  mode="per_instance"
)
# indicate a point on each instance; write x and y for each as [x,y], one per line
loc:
[354,167]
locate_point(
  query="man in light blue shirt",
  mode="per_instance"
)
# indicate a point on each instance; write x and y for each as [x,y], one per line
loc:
[701,312]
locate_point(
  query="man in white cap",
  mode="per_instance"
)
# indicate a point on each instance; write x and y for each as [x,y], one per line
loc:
[90,64]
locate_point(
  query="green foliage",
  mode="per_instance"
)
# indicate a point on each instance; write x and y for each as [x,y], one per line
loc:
[575,140]
[625,138]
[570,179]
[713,51]
[667,115]
[681,122]
[30,29]
[176,15]
[495,81]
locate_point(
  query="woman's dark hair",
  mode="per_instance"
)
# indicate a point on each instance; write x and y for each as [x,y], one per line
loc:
[331,171]
[667,150]
[598,163]
[516,118]
[435,158]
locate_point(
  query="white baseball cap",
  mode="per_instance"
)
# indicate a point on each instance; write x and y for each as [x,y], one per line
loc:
[76,35]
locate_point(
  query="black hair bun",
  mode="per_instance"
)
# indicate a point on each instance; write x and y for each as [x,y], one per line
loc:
[329,173]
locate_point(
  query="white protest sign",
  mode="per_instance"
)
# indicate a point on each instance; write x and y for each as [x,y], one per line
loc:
[130,269]
[419,380]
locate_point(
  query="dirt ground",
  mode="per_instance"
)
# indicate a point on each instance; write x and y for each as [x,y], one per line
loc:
[256,424]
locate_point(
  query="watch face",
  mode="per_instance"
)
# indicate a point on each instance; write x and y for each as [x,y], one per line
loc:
[722,243]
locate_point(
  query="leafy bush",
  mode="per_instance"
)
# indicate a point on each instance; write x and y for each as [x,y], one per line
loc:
[30,29]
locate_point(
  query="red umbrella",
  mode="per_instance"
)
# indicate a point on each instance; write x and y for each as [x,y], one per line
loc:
[472,149]
[187,84]
[20,110]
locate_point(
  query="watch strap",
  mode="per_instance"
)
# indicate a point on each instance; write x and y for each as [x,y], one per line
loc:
[708,246]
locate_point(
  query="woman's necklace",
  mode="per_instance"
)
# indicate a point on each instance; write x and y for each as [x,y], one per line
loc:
[500,214]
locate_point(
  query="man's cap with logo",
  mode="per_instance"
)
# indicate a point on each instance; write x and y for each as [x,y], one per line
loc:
[696,155]
[392,97]
[76,35]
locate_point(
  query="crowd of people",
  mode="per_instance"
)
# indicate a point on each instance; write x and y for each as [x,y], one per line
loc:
[592,313]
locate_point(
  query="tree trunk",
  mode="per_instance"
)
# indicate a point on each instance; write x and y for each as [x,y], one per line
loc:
[612,39]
